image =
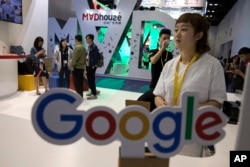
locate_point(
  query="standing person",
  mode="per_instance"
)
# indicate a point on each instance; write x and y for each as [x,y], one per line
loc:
[146,58]
[229,69]
[38,54]
[158,58]
[193,71]
[78,64]
[63,58]
[92,60]
[244,54]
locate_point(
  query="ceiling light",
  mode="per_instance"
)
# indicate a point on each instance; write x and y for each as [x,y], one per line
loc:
[211,15]
[210,4]
[216,4]
[213,11]
[208,11]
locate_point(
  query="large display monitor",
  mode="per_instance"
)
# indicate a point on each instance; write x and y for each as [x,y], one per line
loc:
[11,11]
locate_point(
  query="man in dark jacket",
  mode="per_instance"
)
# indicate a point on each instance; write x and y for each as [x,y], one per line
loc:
[92,61]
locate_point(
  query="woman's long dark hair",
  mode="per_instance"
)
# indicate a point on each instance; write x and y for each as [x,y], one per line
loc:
[61,46]
[36,41]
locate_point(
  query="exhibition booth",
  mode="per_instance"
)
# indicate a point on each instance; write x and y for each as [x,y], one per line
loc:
[123,36]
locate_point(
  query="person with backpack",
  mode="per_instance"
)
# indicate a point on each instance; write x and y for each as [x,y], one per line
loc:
[92,63]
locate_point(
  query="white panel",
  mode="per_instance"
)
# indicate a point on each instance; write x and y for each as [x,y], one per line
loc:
[8,77]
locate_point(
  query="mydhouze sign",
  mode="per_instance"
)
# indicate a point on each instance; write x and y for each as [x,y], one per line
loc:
[106,18]
[166,130]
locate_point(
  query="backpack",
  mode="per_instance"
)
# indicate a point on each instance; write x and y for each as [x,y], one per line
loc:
[17,49]
[100,62]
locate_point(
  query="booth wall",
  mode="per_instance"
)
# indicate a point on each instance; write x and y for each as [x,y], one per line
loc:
[4,39]
[234,27]
[212,37]
[35,23]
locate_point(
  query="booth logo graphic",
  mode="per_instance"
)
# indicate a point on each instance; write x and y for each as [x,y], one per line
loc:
[107,18]
[166,130]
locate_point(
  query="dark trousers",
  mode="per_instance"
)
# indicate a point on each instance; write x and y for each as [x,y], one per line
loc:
[91,79]
[148,97]
[78,80]
[66,71]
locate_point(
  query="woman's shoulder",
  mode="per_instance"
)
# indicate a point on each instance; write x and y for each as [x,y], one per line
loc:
[173,61]
[208,58]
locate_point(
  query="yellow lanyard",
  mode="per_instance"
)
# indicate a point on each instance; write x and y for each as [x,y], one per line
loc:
[178,82]
[163,62]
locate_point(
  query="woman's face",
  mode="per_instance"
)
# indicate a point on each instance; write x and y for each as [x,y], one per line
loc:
[40,43]
[184,36]
[64,43]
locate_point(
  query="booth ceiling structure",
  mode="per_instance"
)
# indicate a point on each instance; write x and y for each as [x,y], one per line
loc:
[214,10]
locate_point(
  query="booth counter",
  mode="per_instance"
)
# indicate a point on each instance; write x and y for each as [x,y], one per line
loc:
[21,146]
[8,74]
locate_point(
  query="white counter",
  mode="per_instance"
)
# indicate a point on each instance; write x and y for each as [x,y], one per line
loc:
[20,146]
[8,74]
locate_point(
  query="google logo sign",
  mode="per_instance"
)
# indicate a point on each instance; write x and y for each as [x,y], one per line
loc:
[165,131]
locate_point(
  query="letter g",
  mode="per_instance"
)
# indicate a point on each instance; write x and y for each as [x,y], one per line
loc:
[39,123]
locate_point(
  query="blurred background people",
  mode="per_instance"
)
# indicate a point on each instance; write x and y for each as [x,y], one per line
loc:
[244,54]
[229,69]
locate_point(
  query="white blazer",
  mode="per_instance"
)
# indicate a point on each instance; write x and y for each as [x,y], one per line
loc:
[58,58]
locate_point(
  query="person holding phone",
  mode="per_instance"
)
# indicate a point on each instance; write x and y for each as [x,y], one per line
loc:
[38,54]
[158,57]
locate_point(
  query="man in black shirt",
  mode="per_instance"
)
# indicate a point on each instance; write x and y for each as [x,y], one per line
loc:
[158,58]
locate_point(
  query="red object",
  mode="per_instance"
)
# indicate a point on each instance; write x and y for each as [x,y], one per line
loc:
[12,56]
[72,86]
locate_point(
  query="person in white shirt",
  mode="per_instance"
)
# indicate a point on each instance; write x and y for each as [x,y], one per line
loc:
[63,57]
[193,70]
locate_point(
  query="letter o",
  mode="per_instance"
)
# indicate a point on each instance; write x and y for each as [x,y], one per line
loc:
[91,131]
[145,125]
